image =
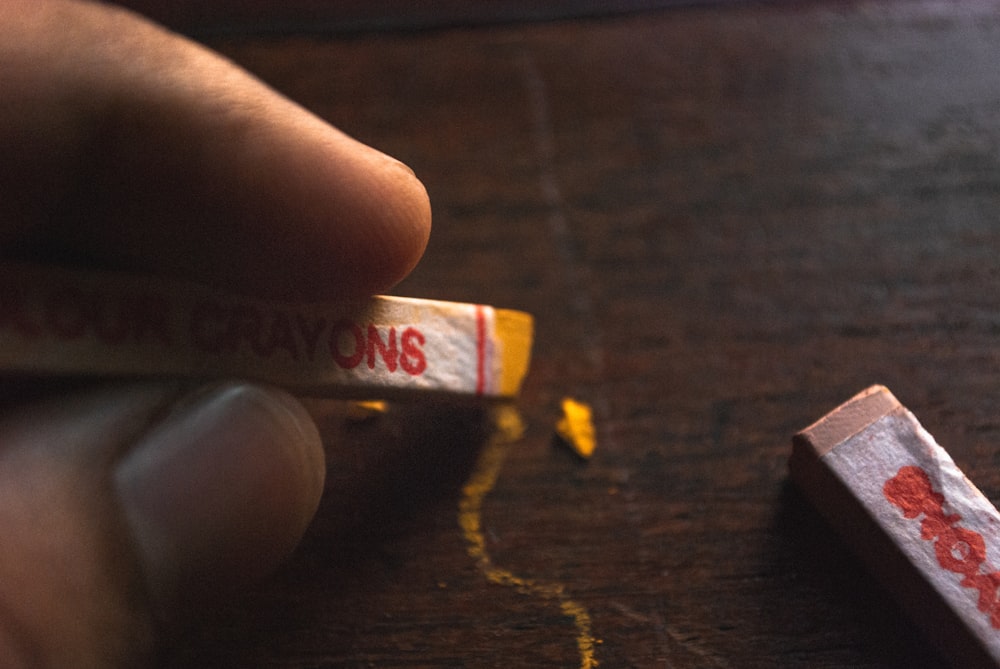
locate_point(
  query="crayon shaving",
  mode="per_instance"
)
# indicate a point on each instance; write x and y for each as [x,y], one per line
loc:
[576,428]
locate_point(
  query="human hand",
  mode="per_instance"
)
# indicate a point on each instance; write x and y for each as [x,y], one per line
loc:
[125,147]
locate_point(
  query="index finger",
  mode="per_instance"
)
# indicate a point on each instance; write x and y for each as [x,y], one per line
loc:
[127,147]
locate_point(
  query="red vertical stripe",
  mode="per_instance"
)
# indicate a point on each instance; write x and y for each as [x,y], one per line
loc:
[480,349]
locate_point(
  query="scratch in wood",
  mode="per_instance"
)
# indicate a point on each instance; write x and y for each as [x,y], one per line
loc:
[575,272]
[480,483]
[668,633]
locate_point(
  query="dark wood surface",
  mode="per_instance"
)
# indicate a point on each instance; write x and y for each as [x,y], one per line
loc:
[726,221]
[325,17]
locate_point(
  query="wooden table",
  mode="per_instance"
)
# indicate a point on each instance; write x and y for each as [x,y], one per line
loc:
[726,220]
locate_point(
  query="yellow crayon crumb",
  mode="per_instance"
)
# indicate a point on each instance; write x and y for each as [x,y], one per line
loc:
[366,410]
[576,427]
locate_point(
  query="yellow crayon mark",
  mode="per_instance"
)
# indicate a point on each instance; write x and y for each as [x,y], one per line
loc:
[509,428]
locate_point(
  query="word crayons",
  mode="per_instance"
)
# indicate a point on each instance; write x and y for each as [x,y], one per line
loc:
[72,323]
[919,523]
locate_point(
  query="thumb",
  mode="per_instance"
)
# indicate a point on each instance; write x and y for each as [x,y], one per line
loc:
[119,507]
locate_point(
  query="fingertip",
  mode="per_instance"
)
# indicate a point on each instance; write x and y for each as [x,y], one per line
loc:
[362,218]
[406,224]
[348,221]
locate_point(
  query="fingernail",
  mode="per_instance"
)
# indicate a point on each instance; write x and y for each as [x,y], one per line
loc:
[220,491]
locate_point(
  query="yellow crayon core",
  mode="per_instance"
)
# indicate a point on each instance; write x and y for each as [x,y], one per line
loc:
[514,334]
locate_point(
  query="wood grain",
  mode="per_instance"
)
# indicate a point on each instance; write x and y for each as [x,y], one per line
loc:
[725,220]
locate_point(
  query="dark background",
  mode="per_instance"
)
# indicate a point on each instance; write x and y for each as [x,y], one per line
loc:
[726,219]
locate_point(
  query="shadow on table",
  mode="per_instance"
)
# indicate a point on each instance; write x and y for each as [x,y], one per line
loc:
[825,569]
[392,479]
[383,469]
